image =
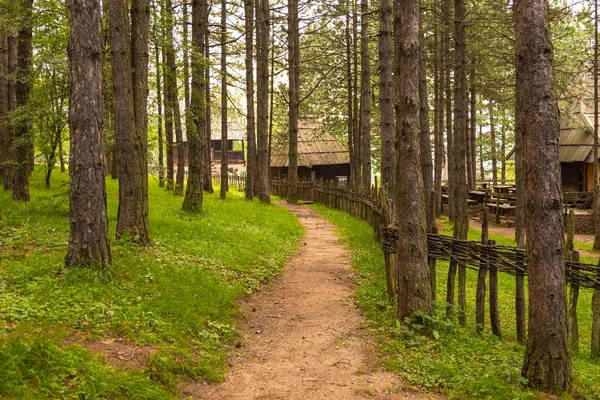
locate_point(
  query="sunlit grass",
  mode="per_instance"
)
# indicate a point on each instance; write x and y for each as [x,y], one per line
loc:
[178,295]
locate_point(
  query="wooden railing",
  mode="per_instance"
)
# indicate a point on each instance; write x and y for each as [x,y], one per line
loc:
[234,181]
[487,258]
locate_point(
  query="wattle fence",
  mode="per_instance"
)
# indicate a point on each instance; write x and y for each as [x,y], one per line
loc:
[485,257]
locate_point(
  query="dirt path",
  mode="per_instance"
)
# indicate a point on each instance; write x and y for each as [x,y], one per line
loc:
[302,337]
[510,232]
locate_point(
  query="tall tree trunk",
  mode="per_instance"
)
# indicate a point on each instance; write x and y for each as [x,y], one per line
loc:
[414,290]
[250,129]
[459,175]
[293,93]
[386,98]
[473,128]
[262,98]
[224,141]
[5,142]
[481,167]
[356,122]
[22,140]
[448,100]
[425,137]
[207,138]
[365,96]
[350,90]
[503,150]
[168,124]
[194,190]
[547,364]
[88,238]
[131,138]
[439,146]
[493,144]
[137,222]
[12,56]
[161,164]
[186,59]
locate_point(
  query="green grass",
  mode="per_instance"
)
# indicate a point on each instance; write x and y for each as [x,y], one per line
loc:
[458,363]
[179,295]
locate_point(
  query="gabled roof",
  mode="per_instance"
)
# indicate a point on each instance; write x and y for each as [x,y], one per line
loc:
[315,147]
[576,138]
[235,129]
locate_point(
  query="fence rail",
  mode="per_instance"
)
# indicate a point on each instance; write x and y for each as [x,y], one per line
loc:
[381,213]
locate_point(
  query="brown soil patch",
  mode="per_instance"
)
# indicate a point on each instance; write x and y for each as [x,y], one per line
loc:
[302,336]
[117,352]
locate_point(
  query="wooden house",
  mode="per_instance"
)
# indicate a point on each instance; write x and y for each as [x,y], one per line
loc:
[576,140]
[318,151]
[236,143]
[236,134]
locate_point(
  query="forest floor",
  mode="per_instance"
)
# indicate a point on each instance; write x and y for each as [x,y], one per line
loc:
[302,335]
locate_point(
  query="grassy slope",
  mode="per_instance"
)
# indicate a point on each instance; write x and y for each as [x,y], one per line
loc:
[178,295]
[459,363]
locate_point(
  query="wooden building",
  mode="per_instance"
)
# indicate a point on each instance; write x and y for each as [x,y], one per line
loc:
[576,140]
[236,143]
[318,151]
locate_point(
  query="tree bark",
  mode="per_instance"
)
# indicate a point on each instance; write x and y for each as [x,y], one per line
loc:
[137,221]
[596,215]
[250,128]
[131,139]
[414,290]
[350,90]
[448,101]
[224,141]
[356,120]
[493,144]
[262,98]
[459,176]
[5,141]
[161,156]
[11,83]
[23,143]
[386,99]
[168,124]
[473,129]
[207,138]
[547,363]
[439,134]
[293,94]
[365,97]
[425,138]
[88,238]
[194,190]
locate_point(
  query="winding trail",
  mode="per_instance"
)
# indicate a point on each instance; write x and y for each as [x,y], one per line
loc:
[302,336]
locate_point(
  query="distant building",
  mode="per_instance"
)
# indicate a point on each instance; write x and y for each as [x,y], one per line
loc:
[318,151]
[236,146]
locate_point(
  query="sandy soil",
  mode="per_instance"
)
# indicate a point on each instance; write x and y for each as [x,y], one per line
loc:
[302,336]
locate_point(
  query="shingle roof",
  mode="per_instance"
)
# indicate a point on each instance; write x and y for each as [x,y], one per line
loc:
[315,147]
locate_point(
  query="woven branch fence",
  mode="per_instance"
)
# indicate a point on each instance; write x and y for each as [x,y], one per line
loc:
[486,258]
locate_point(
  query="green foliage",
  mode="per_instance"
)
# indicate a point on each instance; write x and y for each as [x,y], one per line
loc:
[178,295]
[437,354]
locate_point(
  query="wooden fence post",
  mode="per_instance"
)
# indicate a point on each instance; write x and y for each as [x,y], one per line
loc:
[494,314]
[481,286]
[573,299]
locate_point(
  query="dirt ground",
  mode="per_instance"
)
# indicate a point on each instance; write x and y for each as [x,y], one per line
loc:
[302,336]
